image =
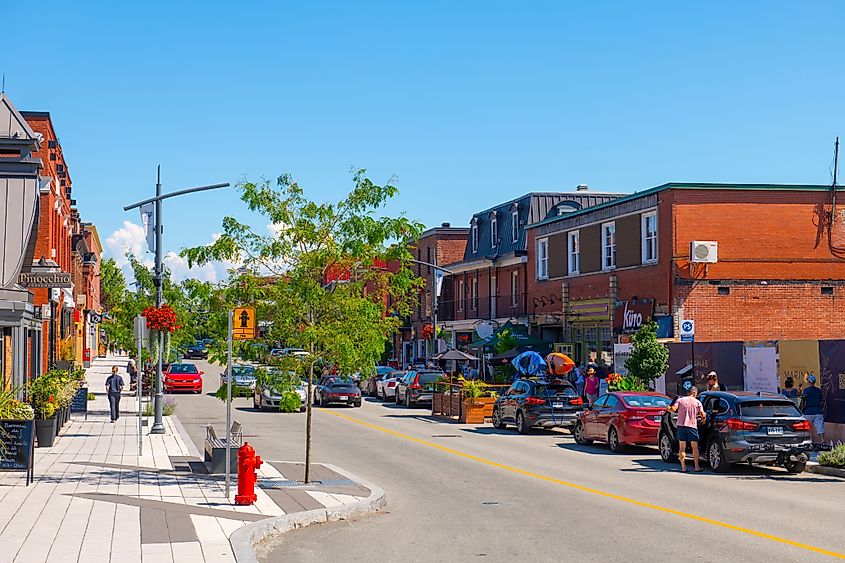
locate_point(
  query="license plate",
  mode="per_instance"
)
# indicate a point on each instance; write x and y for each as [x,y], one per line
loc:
[557,405]
[343,398]
[656,418]
[774,430]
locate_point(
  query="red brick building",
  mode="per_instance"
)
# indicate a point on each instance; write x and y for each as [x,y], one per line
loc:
[745,262]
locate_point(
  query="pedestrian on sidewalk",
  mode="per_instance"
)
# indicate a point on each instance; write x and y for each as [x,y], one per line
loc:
[114,385]
[811,406]
[690,411]
[790,392]
[591,386]
[713,382]
[132,370]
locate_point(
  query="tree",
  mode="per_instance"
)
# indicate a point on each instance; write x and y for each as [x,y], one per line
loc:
[345,323]
[649,358]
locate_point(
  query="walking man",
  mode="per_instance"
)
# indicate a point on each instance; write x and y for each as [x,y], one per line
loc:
[114,385]
[811,407]
[689,411]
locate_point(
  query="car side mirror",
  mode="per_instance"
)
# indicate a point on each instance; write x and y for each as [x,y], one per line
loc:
[202,373]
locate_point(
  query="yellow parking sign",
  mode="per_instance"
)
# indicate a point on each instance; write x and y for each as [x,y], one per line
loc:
[243,323]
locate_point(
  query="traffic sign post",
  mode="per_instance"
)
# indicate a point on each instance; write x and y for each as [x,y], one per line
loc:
[243,323]
[142,337]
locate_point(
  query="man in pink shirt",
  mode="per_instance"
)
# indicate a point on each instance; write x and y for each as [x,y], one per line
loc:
[689,411]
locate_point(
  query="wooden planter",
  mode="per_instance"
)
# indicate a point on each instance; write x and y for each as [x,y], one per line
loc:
[472,412]
[488,406]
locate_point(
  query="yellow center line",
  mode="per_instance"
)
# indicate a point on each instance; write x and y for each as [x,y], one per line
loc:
[591,490]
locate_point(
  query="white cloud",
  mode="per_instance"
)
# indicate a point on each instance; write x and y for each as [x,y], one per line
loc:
[276,228]
[131,239]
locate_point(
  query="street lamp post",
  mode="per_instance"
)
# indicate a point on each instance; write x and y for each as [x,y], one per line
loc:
[158,275]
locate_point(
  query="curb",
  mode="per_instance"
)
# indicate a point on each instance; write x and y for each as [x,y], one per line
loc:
[244,539]
[186,438]
[824,470]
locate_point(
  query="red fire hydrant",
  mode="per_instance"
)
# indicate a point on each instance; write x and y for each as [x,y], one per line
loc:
[248,462]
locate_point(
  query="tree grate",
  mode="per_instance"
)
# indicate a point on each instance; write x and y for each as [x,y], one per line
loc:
[285,484]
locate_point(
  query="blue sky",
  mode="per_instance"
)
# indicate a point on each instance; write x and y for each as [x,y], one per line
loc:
[468,103]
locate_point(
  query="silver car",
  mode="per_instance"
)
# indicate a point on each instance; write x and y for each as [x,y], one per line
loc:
[386,384]
[243,379]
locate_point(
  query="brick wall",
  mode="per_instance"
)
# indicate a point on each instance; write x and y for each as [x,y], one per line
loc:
[774,311]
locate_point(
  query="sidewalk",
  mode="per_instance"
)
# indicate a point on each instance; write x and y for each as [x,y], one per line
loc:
[95,500]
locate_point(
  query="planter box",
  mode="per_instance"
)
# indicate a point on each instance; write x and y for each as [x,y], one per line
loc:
[45,430]
[488,406]
[472,412]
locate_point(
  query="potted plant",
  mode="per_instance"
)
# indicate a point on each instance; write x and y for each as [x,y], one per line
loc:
[42,396]
[474,392]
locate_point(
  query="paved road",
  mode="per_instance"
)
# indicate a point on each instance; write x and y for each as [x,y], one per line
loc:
[468,493]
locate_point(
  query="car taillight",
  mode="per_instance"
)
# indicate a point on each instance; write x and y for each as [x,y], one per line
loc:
[415,385]
[738,424]
[392,384]
[576,401]
[534,401]
[802,425]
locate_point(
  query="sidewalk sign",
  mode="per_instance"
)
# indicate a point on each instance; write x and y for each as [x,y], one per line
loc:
[687,330]
[79,403]
[18,437]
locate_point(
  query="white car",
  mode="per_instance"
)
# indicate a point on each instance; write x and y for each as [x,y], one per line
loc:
[386,385]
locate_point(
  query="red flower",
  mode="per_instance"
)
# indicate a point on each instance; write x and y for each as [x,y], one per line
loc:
[51,399]
[162,319]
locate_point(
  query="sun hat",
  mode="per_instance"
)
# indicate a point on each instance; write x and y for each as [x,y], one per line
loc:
[712,375]
[811,378]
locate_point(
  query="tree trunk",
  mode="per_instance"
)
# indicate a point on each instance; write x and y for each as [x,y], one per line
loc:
[308,416]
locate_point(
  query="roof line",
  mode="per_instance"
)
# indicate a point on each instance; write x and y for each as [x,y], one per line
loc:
[687,186]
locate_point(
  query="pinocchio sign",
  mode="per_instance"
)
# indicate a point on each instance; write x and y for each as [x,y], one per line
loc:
[629,316]
[46,279]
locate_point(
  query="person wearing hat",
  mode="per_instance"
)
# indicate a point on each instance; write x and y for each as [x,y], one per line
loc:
[713,382]
[591,386]
[812,407]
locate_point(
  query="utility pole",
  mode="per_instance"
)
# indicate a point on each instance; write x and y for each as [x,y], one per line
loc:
[158,276]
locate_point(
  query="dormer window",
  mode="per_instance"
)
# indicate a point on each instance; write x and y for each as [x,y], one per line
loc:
[494,230]
[515,226]
[474,236]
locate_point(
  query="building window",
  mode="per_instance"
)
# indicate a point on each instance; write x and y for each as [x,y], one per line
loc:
[543,259]
[649,223]
[608,246]
[514,226]
[494,231]
[461,295]
[474,238]
[574,252]
[514,288]
[474,294]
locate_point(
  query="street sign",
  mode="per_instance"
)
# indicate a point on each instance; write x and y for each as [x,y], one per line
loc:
[687,330]
[243,323]
[45,279]
[141,333]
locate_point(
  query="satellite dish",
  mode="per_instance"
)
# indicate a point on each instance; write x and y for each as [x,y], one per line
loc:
[484,330]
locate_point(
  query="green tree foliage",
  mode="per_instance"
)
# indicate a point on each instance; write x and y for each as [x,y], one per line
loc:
[649,358]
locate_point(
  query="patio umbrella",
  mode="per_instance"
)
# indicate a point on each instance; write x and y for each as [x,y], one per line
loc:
[529,363]
[559,364]
[455,355]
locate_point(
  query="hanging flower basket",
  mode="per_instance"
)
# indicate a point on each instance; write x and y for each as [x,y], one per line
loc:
[427,332]
[162,319]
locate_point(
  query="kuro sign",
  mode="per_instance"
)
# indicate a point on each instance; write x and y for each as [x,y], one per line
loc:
[79,403]
[46,279]
[629,316]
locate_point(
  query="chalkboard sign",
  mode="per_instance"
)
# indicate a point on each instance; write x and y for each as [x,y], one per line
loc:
[17,437]
[80,401]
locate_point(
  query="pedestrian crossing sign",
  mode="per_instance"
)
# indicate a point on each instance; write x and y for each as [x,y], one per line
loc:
[243,323]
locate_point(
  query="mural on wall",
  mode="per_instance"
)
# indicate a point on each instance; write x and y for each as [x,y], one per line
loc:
[797,359]
[761,367]
[832,359]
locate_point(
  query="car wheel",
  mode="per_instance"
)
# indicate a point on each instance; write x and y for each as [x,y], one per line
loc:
[667,452]
[521,426]
[716,457]
[580,434]
[497,419]
[795,466]
[358,405]
[613,440]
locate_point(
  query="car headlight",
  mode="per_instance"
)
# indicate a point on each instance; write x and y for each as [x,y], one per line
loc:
[265,392]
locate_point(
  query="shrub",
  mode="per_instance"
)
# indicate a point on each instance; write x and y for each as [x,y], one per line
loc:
[473,388]
[12,408]
[833,458]
[91,396]
[290,402]
[167,409]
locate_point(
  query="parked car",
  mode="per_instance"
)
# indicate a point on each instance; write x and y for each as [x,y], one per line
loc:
[183,377]
[417,386]
[196,350]
[243,379]
[369,386]
[386,384]
[622,418]
[266,397]
[744,427]
[337,389]
[279,352]
[537,402]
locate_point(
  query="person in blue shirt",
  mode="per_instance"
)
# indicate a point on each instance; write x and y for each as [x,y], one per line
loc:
[812,406]
[114,385]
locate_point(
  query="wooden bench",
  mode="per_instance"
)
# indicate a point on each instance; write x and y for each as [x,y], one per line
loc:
[215,449]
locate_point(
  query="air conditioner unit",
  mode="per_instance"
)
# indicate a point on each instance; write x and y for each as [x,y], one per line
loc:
[704,251]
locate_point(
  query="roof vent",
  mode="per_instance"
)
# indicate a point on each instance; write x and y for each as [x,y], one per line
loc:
[445,225]
[582,188]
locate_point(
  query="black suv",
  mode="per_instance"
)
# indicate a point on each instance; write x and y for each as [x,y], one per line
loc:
[537,402]
[744,427]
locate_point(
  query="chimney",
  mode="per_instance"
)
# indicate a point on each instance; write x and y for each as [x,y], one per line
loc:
[582,188]
[445,225]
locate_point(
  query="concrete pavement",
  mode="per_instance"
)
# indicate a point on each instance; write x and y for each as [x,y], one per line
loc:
[95,500]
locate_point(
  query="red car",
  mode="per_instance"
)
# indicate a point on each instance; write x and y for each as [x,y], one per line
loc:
[183,377]
[622,418]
